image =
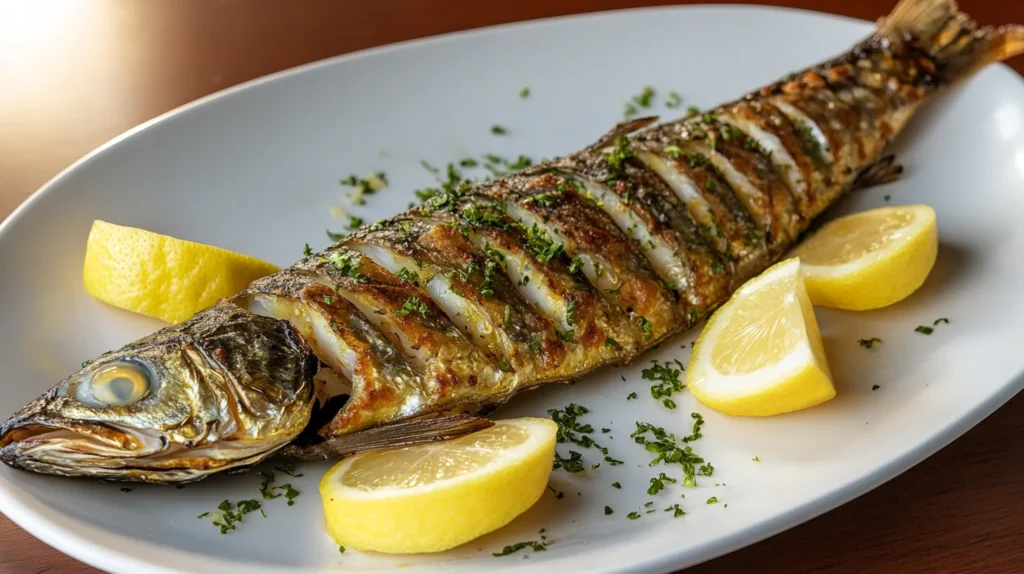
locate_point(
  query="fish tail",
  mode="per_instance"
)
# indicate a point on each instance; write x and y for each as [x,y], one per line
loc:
[950,37]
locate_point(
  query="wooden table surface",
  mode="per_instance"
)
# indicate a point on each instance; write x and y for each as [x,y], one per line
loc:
[75,73]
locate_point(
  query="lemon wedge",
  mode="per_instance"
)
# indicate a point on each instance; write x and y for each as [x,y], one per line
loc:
[760,354]
[432,497]
[160,276]
[870,259]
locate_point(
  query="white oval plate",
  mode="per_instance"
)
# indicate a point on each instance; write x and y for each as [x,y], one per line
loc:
[256,169]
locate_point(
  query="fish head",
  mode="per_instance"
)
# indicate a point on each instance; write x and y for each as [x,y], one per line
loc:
[223,390]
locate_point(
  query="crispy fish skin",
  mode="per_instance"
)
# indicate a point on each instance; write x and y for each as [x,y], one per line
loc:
[489,289]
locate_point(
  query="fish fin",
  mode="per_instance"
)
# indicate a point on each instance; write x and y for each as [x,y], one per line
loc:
[623,129]
[883,171]
[405,433]
[950,37]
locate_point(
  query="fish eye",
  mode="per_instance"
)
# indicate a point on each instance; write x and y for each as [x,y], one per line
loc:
[117,384]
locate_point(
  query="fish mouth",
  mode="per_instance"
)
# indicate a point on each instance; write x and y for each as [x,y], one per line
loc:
[59,443]
[108,451]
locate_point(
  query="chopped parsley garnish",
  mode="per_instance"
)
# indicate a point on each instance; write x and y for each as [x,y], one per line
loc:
[498,130]
[408,276]
[658,483]
[229,514]
[335,237]
[348,263]
[692,111]
[675,510]
[616,485]
[633,515]
[329,299]
[365,186]
[341,549]
[673,100]
[524,93]
[713,500]
[541,246]
[609,342]
[630,396]
[698,421]
[618,156]
[575,265]
[941,320]
[507,321]
[86,363]
[513,548]
[664,445]
[307,251]
[573,464]
[414,305]
[547,199]
[468,162]
[570,313]
[808,134]
[666,380]
[645,327]
[608,510]
[269,490]
[875,387]
[869,343]
[756,459]
[887,197]
[641,100]
[572,431]
[924,329]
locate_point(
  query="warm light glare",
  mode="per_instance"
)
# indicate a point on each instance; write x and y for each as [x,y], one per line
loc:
[28,28]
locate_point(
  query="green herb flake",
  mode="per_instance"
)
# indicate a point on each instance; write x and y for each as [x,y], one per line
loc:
[658,483]
[663,444]
[307,251]
[364,186]
[941,320]
[229,514]
[633,515]
[630,396]
[498,130]
[414,305]
[869,343]
[408,276]
[756,459]
[645,327]
[513,548]
[524,93]
[666,378]
[617,485]
[713,500]
[924,330]
[875,387]
[673,100]
[348,263]
[675,510]
[541,246]
[609,342]
[608,510]
[575,265]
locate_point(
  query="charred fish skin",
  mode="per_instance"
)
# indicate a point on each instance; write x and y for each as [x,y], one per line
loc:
[221,391]
[492,288]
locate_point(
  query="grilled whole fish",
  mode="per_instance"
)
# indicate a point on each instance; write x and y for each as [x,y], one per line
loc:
[485,290]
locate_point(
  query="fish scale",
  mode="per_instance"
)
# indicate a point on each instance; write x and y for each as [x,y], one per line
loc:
[487,289]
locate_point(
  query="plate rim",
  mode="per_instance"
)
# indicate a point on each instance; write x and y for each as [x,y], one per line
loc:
[60,532]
